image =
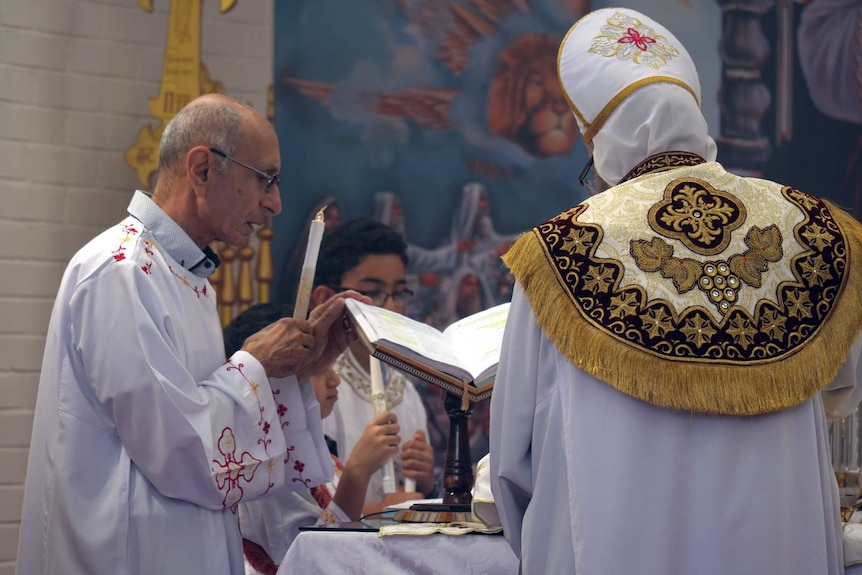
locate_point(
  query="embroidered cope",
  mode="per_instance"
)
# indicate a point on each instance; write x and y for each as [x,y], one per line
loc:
[704,292]
[695,289]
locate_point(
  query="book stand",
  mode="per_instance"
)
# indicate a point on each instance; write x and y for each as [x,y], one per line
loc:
[457,473]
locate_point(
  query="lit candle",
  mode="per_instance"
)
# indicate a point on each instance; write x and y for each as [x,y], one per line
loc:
[309,265]
[378,398]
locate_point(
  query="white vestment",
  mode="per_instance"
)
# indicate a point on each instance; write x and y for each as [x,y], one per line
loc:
[354,410]
[145,439]
[588,480]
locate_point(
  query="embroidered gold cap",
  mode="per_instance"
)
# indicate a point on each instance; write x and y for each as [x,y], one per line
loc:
[612,52]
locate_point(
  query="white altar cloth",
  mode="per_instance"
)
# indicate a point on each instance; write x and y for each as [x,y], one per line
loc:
[347,553]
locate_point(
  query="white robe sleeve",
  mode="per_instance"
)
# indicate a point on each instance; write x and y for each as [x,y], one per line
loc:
[212,438]
[513,405]
[307,460]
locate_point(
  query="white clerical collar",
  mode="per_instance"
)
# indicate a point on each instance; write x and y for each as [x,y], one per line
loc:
[171,237]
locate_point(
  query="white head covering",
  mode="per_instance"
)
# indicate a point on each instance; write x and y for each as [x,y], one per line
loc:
[634,90]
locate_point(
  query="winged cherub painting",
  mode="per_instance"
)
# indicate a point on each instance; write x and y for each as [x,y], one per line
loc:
[519,102]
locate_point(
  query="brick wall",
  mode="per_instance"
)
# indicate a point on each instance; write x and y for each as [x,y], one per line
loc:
[75,76]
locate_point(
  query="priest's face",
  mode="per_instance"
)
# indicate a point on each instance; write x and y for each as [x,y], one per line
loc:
[243,196]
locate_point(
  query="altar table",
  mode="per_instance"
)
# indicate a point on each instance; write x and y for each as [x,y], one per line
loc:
[349,553]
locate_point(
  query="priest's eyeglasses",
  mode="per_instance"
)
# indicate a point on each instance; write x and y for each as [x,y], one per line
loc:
[588,178]
[380,297]
[270,179]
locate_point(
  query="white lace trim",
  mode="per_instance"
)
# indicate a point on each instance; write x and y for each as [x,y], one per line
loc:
[354,375]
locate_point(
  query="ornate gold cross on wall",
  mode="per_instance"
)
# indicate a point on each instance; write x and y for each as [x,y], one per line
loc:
[183,79]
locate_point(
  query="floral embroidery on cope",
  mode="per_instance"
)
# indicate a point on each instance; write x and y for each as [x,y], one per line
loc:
[777,327]
[661,162]
[627,38]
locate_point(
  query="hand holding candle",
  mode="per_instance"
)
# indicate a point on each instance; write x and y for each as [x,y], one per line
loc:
[309,265]
[378,397]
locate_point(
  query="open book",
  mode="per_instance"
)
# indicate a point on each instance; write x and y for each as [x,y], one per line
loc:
[463,356]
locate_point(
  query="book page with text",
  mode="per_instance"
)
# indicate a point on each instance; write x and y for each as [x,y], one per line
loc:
[415,337]
[477,339]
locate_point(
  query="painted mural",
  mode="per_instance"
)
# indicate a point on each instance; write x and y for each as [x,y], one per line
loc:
[445,120]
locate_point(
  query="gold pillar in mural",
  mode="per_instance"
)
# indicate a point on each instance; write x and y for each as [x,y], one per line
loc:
[183,79]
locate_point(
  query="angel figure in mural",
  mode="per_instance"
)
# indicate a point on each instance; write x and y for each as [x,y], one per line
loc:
[473,243]
[480,245]
[388,210]
[472,226]
[508,104]
[425,266]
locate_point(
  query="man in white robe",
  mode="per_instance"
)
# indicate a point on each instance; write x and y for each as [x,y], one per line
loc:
[145,439]
[675,344]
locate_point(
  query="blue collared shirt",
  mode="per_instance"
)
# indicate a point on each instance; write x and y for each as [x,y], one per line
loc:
[171,237]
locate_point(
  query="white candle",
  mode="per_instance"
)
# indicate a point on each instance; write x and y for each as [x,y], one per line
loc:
[409,484]
[378,398]
[309,265]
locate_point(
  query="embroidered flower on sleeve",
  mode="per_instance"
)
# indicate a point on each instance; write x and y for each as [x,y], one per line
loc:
[299,467]
[232,471]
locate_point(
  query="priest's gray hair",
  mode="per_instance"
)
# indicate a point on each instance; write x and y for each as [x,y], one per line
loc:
[211,123]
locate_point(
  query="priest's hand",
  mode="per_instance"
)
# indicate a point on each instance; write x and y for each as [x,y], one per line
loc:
[417,462]
[282,347]
[332,333]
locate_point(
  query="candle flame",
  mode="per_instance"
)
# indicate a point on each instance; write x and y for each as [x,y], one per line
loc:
[320,214]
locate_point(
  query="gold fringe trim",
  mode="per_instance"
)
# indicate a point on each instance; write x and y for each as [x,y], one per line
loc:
[706,388]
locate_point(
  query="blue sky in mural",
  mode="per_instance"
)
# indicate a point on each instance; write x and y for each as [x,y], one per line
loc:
[375,106]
